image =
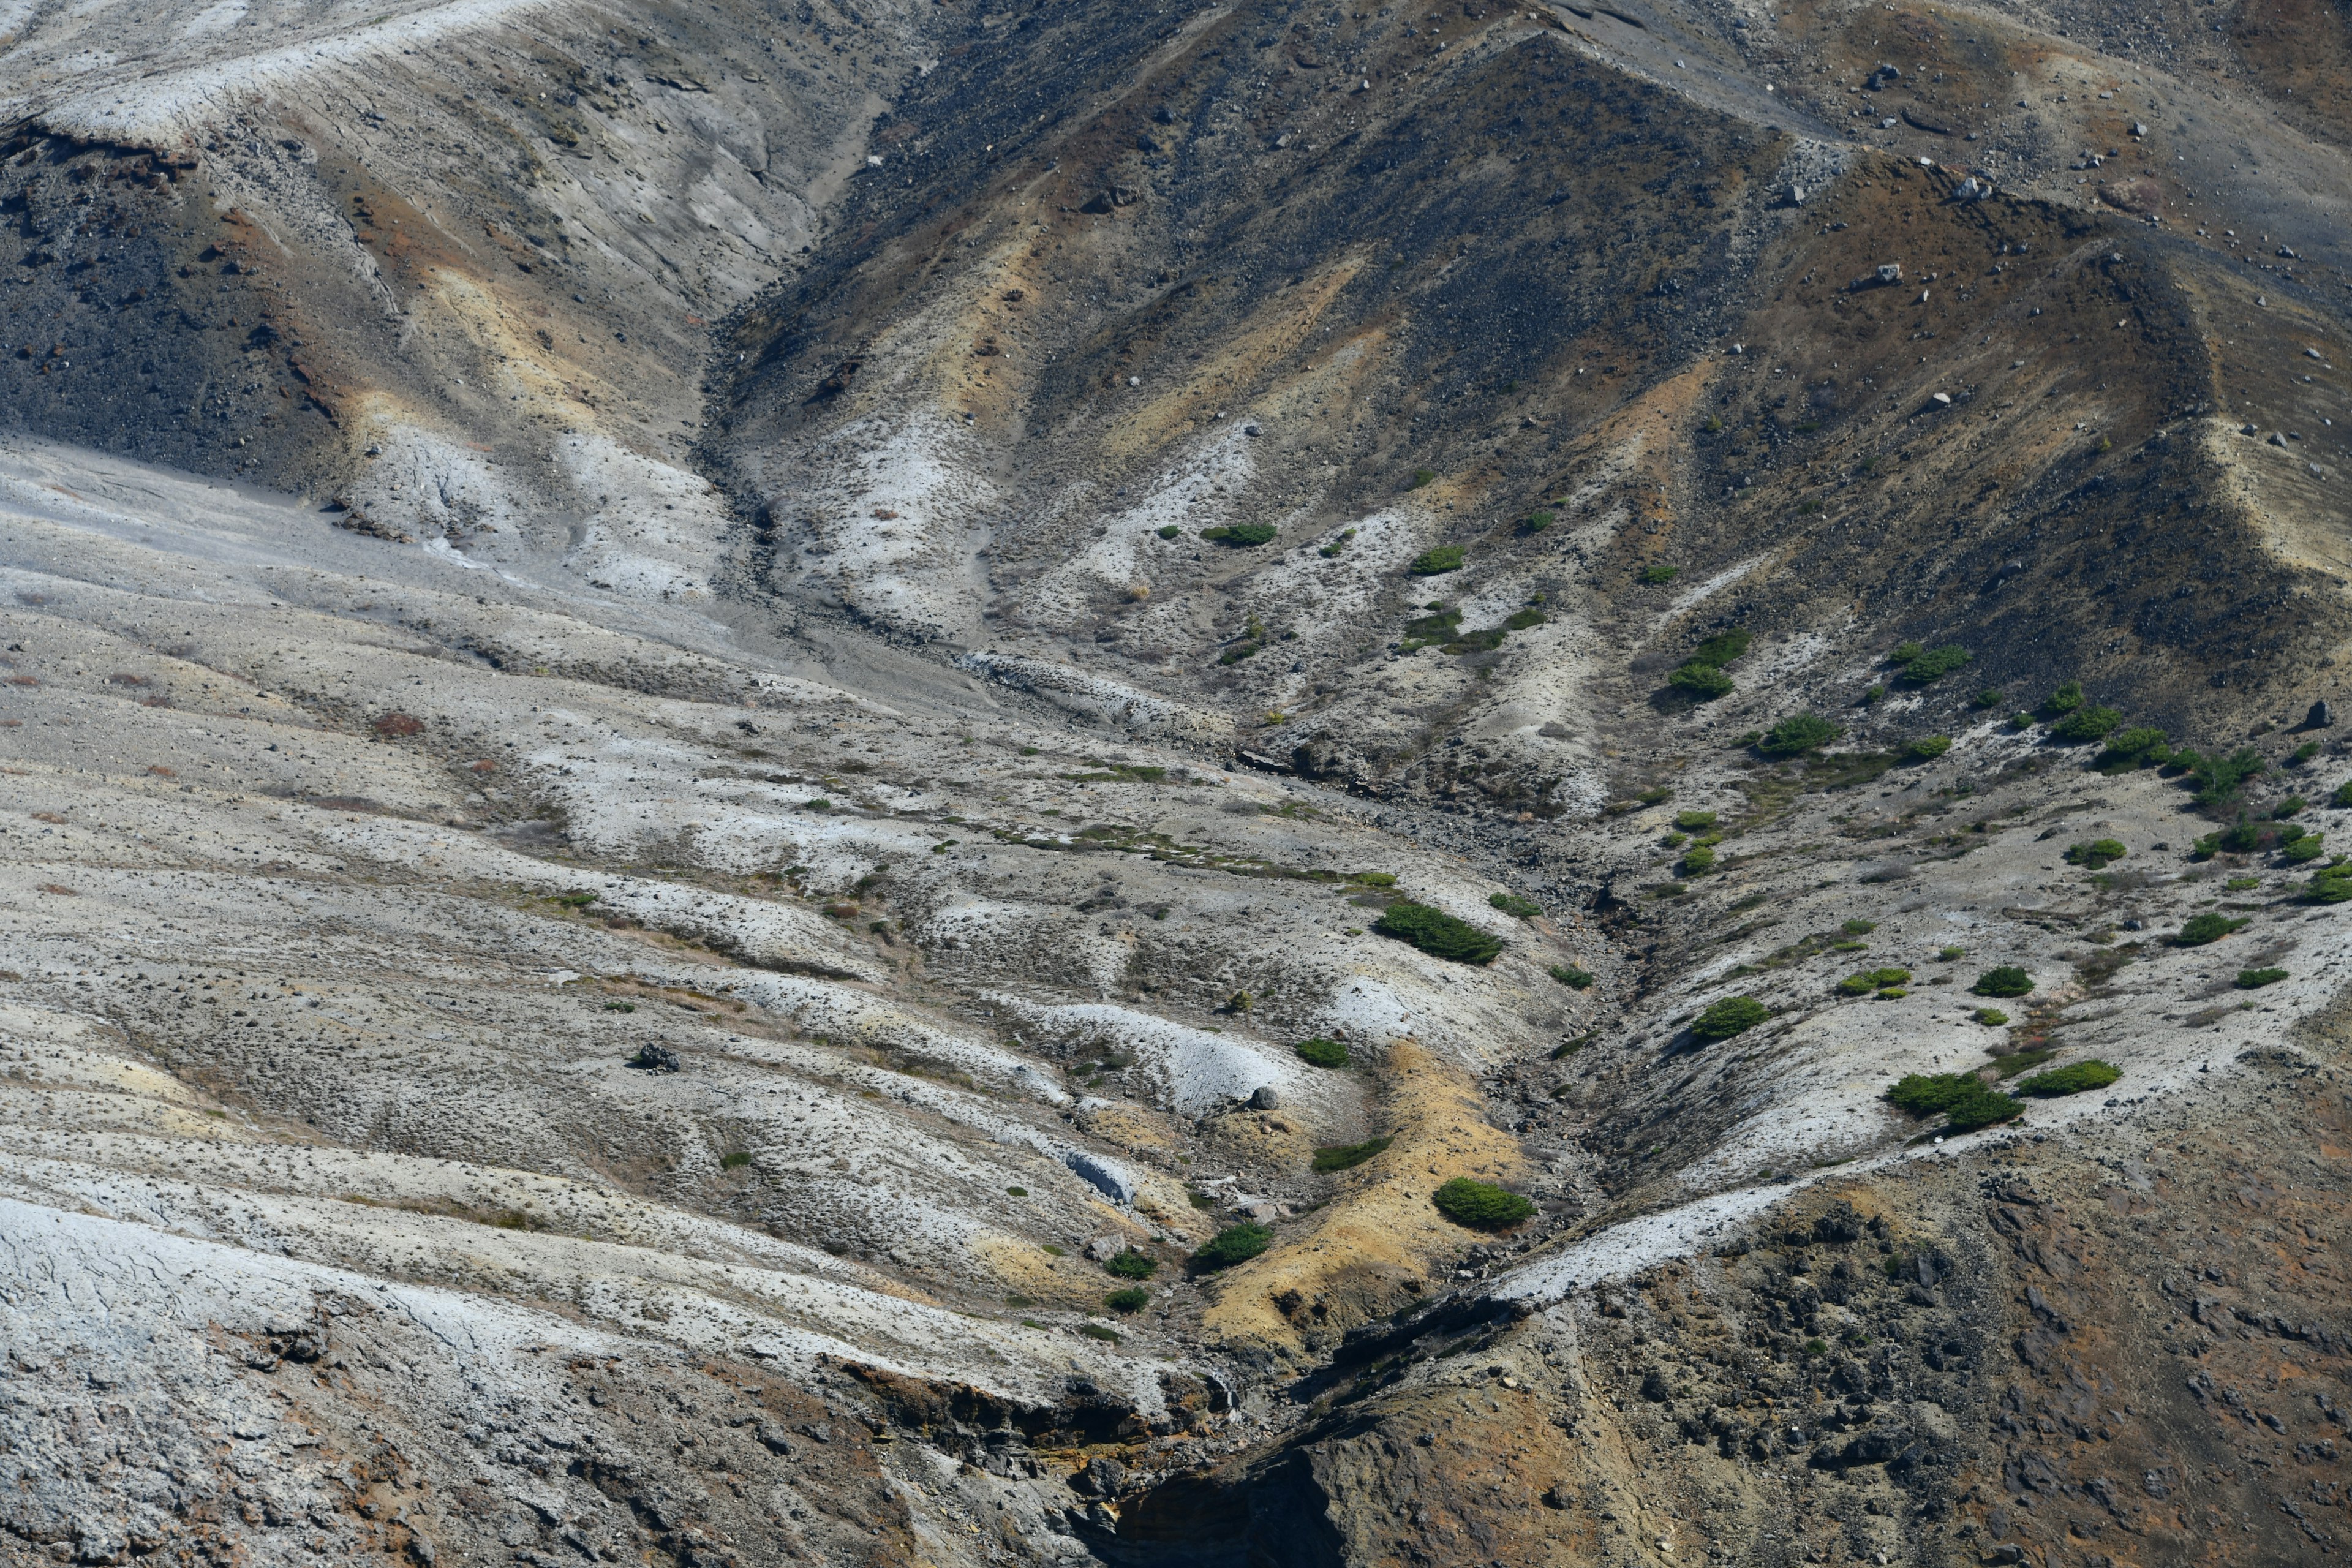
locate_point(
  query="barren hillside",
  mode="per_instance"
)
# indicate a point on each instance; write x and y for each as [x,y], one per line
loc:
[1246,786]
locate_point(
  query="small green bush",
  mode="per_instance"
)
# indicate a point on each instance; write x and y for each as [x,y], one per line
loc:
[1697,861]
[2342,797]
[1694,821]
[2305,848]
[2086,724]
[1131,1265]
[1704,682]
[1241,536]
[1948,954]
[1347,1156]
[1134,1299]
[1322,1053]
[2329,885]
[1420,478]
[1931,665]
[2219,779]
[1234,1244]
[1988,697]
[1017,1192]
[1858,927]
[1723,648]
[2241,836]
[1373,878]
[734,1161]
[2073,1079]
[1924,1094]
[1480,1206]
[1991,1017]
[1169,531]
[1926,748]
[1438,561]
[2142,745]
[2097,852]
[1655,576]
[1798,733]
[1570,975]
[1536,522]
[1869,980]
[2007,980]
[1512,904]
[2063,701]
[1905,652]
[1099,1332]
[1523,620]
[2199,929]
[2255,979]
[1732,1015]
[2290,806]
[1437,934]
[1981,1107]
[2304,754]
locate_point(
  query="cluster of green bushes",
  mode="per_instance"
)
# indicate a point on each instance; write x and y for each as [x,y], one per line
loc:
[2296,845]
[1481,1205]
[1796,735]
[1234,1244]
[2097,854]
[1241,536]
[1512,904]
[1437,934]
[1442,624]
[1732,1015]
[2330,884]
[1926,748]
[1923,666]
[1436,563]
[1965,1100]
[1701,677]
[1879,980]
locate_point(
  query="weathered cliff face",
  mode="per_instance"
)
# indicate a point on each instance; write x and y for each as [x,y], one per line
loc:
[699,701]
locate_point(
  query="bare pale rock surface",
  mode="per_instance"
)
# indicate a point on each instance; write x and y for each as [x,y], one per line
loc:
[721,723]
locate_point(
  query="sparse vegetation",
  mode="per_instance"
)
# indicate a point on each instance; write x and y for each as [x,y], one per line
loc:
[1347,1156]
[1322,1053]
[1866,981]
[1655,576]
[1926,748]
[2141,746]
[1694,821]
[1723,648]
[1512,904]
[735,1161]
[2342,798]
[2255,979]
[1234,1244]
[2006,980]
[1481,1205]
[1988,697]
[2219,779]
[2098,852]
[1732,1015]
[1570,975]
[2073,1079]
[1423,478]
[1536,522]
[2199,929]
[1984,1108]
[1241,536]
[2087,724]
[1437,934]
[1099,1332]
[1857,926]
[1436,563]
[2329,885]
[1797,734]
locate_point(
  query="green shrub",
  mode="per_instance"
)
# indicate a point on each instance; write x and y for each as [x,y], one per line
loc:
[2138,747]
[2305,848]
[1239,652]
[1949,955]
[1481,1205]
[1798,733]
[1656,575]
[1694,821]
[1722,648]
[2097,852]
[1732,1015]
[1322,1053]
[1131,1265]
[1438,561]
[2087,724]
[1523,620]
[1512,904]
[1134,1299]
[1926,748]
[1988,697]
[1536,522]
[2304,754]
[2255,979]
[1420,478]
[1347,1156]
[2329,885]
[1703,681]
[1017,1192]
[734,1161]
[1241,536]
[2241,837]
[2290,806]
[1437,934]
[1869,980]
[1234,1244]
[2199,929]
[2007,980]
[1438,625]
[1905,652]
[2073,1079]
[1858,927]
[1570,975]
[1373,878]
[1169,531]
[1697,861]
[2342,798]
[1098,1331]
[1932,665]
[2063,701]
[1874,694]
[1991,1017]
[1924,1094]
[2219,779]
[1981,1107]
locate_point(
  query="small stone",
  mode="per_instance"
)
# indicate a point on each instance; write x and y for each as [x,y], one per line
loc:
[1265,1097]
[656,1058]
[1890,272]
[2321,717]
[1103,1248]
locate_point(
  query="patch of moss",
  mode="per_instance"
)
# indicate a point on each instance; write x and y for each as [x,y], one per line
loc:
[1322,1053]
